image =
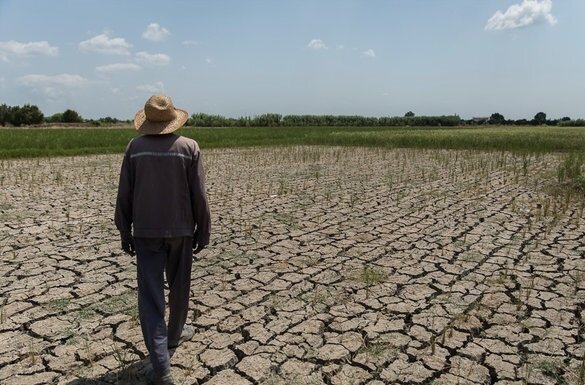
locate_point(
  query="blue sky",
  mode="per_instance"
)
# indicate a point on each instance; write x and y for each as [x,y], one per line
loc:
[247,57]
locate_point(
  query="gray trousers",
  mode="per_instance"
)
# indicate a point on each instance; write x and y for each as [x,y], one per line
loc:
[155,256]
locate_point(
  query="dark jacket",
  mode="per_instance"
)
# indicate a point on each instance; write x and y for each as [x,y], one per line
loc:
[162,189]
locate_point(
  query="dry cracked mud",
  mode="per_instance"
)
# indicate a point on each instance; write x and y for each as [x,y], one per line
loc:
[327,266]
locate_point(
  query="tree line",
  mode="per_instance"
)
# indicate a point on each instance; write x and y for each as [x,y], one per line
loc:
[30,115]
[276,120]
[409,119]
[538,120]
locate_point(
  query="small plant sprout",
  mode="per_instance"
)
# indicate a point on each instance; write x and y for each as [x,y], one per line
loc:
[2,310]
[33,355]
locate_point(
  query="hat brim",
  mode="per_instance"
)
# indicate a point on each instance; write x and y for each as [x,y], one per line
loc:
[147,127]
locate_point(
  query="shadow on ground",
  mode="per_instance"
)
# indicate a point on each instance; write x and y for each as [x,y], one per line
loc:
[133,374]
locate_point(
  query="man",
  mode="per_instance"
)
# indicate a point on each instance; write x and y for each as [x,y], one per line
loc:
[161,197]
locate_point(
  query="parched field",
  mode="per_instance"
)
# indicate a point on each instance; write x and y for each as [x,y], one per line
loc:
[327,266]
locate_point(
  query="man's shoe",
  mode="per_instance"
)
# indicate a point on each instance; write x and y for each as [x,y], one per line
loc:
[154,379]
[186,335]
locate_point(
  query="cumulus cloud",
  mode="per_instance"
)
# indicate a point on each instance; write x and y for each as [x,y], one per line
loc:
[17,49]
[104,44]
[154,32]
[317,44]
[116,67]
[159,59]
[52,86]
[154,88]
[527,13]
[369,53]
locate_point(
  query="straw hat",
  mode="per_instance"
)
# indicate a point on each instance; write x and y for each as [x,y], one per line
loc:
[159,116]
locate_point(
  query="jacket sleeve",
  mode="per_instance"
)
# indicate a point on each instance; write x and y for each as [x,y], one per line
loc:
[199,201]
[123,214]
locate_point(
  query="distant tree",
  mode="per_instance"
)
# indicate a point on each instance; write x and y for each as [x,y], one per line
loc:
[27,114]
[540,118]
[108,120]
[36,115]
[266,120]
[497,118]
[55,118]
[206,120]
[5,114]
[409,114]
[14,115]
[566,119]
[71,116]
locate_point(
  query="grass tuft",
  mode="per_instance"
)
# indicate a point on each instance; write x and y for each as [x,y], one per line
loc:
[571,172]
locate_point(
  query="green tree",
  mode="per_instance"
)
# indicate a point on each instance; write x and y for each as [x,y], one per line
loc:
[55,118]
[540,118]
[71,116]
[497,118]
[267,120]
[409,114]
[5,114]
[108,120]
[29,114]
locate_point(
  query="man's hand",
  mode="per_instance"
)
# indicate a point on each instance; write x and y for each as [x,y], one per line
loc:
[127,243]
[196,246]
[198,249]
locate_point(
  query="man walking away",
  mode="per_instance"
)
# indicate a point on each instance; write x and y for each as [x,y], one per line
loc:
[161,197]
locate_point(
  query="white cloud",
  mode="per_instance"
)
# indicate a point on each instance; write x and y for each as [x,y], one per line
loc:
[18,49]
[153,88]
[53,86]
[208,60]
[154,32]
[118,67]
[104,44]
[340,46]
[2,82]
[369,53]
[522,15]
[153,59]
[317,44]
[65,80]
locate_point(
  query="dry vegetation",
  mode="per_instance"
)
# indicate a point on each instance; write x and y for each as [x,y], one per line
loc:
[327,266]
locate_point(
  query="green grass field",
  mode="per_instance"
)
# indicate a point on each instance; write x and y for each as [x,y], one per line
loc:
[18,143]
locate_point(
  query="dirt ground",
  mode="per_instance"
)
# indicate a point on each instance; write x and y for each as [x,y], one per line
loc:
[327,266]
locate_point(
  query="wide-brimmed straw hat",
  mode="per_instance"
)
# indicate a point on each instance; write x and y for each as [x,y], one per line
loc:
[159,116]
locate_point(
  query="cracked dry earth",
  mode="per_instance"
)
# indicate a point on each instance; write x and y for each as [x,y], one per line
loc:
[327,266]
